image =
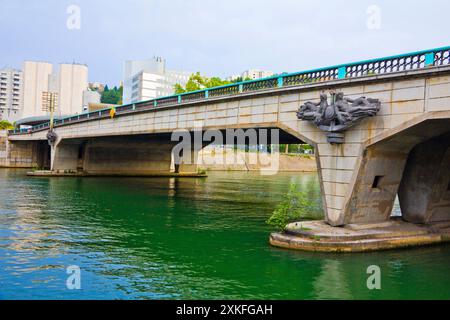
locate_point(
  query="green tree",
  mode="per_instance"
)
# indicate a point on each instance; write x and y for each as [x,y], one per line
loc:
[5,125]
[112,96]
[198,82]
[294,207]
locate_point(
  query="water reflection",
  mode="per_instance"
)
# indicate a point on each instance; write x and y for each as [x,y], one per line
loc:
[331,283]
[182,238]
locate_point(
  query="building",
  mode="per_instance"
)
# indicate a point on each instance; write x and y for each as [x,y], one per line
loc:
[149,79]
[73,81]
[256,74]
[36,76]
[11,94]
[89,98]
[69,81]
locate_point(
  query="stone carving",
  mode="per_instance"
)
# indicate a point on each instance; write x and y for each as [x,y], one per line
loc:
[52,137]
[338,116]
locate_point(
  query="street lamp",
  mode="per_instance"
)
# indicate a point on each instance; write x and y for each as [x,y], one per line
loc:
[49,104]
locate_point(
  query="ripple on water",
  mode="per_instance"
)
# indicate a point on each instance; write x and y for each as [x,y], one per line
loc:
[164,238]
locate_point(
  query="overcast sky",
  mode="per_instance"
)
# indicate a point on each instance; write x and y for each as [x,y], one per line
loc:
[217,37]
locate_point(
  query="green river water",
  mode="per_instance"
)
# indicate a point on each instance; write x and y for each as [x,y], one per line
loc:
[165,238]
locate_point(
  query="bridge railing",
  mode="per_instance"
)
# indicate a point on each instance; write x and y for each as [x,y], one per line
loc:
[404,62]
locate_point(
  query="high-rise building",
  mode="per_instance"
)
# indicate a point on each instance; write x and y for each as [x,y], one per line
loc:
[69,82]
[90,97]
[35,81]
[149,79]
[73,81]
[10,94]
[256,74]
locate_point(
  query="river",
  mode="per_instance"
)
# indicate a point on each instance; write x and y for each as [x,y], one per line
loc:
[166,238]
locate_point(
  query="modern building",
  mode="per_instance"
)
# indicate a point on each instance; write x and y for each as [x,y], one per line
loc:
[11,94]
[73,81]
[36,78]
[69,82]
[256,74]
[90,98]
[149,79]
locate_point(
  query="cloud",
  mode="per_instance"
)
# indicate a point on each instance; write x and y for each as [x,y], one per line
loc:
[216,37]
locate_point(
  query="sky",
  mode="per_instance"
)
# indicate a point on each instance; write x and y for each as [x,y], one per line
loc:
[217,38]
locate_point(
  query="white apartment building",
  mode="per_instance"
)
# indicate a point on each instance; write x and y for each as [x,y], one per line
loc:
[10,94]
[73,81]
[149,79]
[69,82]
[35,81]
[90,97]
[256,74]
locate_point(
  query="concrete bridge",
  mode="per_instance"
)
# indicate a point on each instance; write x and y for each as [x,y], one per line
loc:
[404,150]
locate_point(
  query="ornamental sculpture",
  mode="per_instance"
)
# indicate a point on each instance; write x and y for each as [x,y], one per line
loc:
[338,116]
[52,137]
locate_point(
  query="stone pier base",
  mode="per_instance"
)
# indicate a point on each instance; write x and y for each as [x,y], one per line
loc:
[48,173]
[320,237]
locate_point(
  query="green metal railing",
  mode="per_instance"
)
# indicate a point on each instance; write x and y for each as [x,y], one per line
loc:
[404,62]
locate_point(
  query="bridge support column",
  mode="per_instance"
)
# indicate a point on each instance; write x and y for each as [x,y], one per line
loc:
[188,163]
[23,154]
[414,163]
[360,186]
[64,156]
[127,157]
[375,185]
[425,189]
[118,156]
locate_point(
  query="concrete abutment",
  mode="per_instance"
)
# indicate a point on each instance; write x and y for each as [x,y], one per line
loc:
[118,156]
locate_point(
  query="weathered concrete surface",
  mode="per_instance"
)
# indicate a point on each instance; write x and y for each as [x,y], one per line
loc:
[321,237]
[4,158]
[425,189]
[227,159]
[23,154]
[117,156]
[376,182]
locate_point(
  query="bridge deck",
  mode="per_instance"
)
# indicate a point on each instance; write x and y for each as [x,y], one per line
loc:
[427,59]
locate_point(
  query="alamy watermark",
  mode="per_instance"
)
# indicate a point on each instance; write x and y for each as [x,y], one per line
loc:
[373,21]
[73,281]
[263,145]
[73,21]
[374,280]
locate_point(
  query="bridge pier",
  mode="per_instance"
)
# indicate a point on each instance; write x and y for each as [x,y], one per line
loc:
[124,156]
[413,162]
[25,154]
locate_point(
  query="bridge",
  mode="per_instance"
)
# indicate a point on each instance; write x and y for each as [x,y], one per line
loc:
[402,148]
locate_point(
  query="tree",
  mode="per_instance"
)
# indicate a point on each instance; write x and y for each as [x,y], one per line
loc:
[198,82]
[5,125]
[112,96]
[294,207]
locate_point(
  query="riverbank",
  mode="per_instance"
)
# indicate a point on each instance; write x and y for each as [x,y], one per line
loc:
[228,159]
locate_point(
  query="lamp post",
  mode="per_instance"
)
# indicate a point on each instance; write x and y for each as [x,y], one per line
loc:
[49,104]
